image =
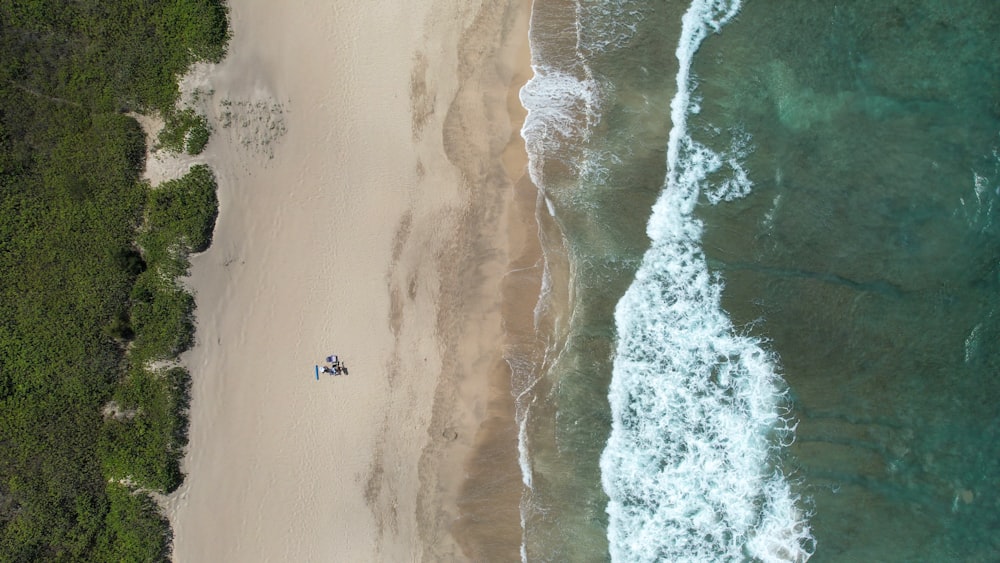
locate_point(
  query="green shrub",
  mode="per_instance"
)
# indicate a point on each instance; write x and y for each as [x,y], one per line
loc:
[120,328]
[162,322]
[197,137]
[133,529]
[184,131]
[180,218]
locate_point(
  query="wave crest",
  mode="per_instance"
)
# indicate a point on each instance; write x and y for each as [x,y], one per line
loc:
[698,410]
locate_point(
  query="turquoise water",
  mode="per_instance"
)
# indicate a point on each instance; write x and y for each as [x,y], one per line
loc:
[771,308]
[870,257]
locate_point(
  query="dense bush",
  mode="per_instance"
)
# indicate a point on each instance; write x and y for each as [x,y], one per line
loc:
[144,444]
[88,259]
[109,55]
[181,210]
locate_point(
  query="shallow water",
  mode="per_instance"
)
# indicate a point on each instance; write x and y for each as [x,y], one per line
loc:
[825,254]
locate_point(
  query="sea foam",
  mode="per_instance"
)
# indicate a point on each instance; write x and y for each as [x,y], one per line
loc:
[698,410]
[562,108]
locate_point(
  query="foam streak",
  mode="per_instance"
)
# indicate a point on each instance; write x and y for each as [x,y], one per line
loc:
[697,409]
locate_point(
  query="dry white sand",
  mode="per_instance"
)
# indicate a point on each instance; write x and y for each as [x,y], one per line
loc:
[363,190]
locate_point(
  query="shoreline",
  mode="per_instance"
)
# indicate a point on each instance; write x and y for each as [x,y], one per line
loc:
[488,523]
[358,222]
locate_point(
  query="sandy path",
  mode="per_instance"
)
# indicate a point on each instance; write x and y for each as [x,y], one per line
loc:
[362,211]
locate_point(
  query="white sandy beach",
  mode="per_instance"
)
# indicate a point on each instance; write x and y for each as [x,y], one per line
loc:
[364,191]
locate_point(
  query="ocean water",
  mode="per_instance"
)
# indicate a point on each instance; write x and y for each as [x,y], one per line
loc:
[771,304]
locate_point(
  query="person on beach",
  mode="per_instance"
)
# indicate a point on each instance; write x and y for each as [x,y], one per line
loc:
[331,371]
[335,365]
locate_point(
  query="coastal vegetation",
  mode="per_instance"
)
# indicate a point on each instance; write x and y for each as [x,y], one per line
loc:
[185,131]
[92,315]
